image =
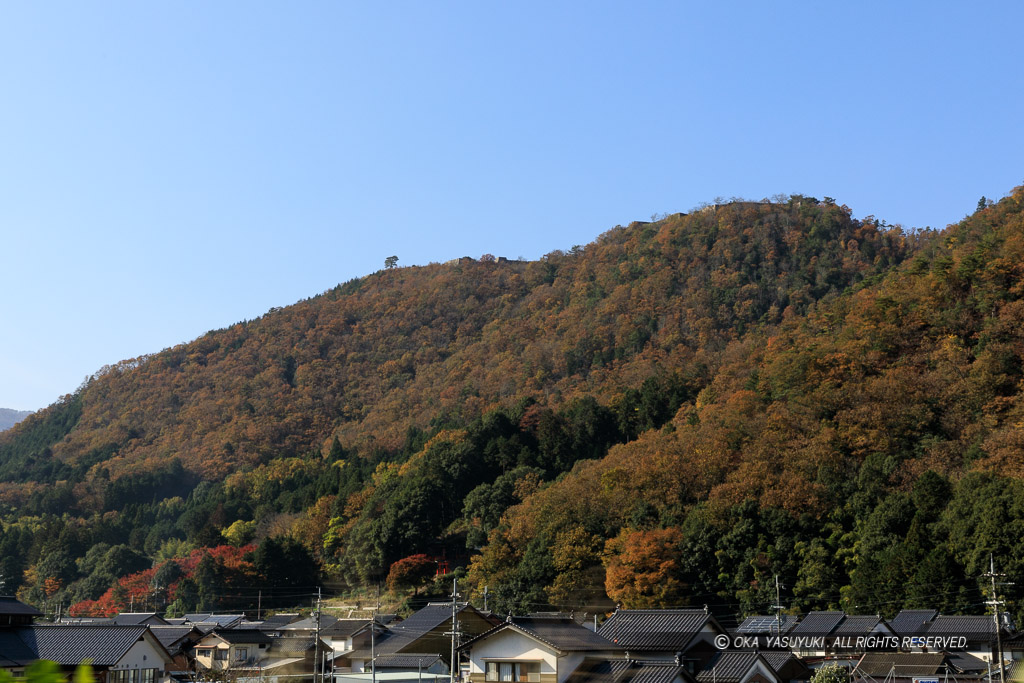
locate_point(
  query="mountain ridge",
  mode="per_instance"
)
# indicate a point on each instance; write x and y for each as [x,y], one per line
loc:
[321,348]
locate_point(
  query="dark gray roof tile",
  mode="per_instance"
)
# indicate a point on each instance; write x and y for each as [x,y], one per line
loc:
[627,671]
[563,634]
[905,664]
[971,626]
[10,605]
[818,624]
[242,635]
[728,666]
[911,622]
[69,645]
[170,635]
[343,628]
[13,650]
[656,630]
[855,624]
[407,662]
[766,625]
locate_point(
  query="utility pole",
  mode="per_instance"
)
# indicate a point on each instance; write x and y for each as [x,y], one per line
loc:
[259,605]
[995,602]
[454,633]
[318,664]
[485,598]
[373,631]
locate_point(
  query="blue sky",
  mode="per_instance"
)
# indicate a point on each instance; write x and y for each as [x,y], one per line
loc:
[167,168]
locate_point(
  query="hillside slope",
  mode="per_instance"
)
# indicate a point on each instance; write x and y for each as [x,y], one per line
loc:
[868,453]
[406,411]
[401,348]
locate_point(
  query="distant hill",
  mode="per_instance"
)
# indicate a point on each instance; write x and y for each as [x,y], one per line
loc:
[674,414]
[9,418]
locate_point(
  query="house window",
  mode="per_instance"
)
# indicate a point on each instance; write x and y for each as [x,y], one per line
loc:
[241,653]
[147,676]
[120,676]
[221,655]
[526,672]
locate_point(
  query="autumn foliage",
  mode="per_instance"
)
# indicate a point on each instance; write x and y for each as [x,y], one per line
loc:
[675,414]
[410,572]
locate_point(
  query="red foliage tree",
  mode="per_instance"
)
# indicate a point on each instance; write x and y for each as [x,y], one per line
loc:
[410,572]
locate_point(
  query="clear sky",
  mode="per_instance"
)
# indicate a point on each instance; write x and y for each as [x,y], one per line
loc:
[167,168]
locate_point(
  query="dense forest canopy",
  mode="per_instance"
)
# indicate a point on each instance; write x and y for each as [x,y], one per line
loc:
[674,414]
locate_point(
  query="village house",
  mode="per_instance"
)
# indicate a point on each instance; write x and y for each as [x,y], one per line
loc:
[629,671]
[687,635]
[754,667]
[179,642]
[535,650]
[228,648]
[909,667]
[425,632]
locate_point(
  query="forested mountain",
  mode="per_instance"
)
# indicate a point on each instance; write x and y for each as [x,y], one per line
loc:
[674,413]
[9,418]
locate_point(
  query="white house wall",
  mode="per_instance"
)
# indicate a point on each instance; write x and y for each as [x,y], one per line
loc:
[510,645]
[142,655]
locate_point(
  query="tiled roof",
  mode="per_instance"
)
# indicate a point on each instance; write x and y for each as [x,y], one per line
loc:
[818,624]
[654,630]
[242,635]
[169,635]
[416,627]
[766,625]
[855,624]
[276,621]
[69,645]
[135,618]
[971,626]
[967,663]
[217,619]
[626,671]
[905,664]
[408,662]
[910,622]
[294,646]
[729,666]
[13,650]
[309,623]
[647,672]
[563,634]
[10,605]
[342,628]
[778,658]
